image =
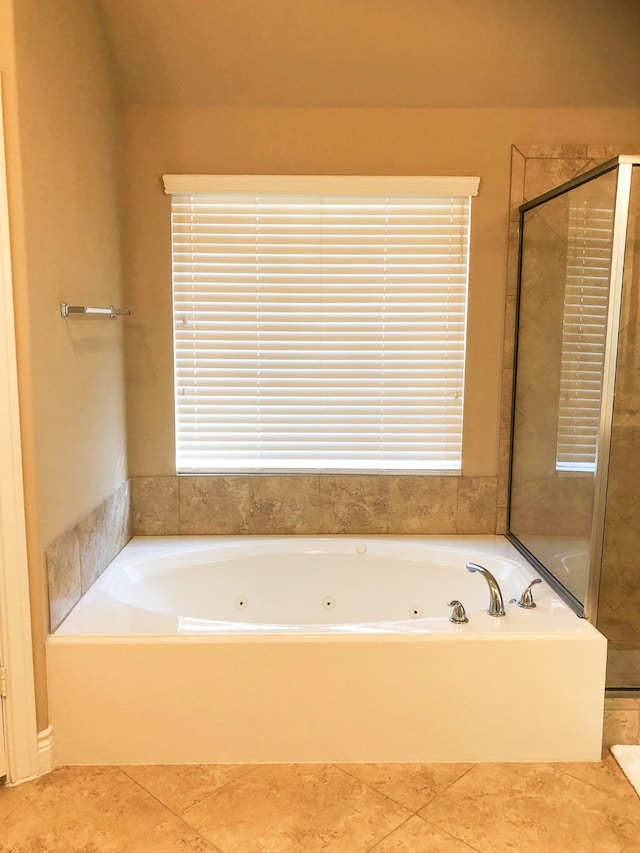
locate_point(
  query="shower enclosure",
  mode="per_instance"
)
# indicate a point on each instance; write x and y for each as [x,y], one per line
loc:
[574,507]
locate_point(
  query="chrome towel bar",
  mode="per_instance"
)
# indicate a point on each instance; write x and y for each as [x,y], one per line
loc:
[65,310]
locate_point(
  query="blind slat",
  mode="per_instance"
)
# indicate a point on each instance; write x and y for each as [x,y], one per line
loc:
[319,333]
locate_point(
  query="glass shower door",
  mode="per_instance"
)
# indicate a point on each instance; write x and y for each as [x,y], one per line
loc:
[562,331]
[619,596]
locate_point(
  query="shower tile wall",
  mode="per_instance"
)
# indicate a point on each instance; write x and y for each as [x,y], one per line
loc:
[619,611]
[536,169]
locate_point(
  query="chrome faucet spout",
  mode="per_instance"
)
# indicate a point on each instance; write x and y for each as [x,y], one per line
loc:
[496,604]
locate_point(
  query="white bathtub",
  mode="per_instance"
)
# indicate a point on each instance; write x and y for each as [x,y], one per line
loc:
[245,650]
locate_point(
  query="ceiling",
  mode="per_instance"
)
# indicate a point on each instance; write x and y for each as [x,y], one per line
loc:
[376,53]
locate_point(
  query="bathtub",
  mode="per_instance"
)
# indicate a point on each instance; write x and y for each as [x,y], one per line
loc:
[321,649]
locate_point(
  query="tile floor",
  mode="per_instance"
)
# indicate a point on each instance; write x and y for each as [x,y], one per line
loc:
[353,808]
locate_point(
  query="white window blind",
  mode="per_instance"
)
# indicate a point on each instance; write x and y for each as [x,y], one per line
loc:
[319,330]
[583,335]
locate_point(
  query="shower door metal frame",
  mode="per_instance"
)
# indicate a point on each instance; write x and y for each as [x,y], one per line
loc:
[624,165]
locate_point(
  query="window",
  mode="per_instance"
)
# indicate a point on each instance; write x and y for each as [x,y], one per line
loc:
[319,323]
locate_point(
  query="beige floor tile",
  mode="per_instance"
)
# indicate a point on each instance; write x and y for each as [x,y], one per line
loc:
[419,836]
[621,726]
[295,809]
[180,786]
[173,836]
[506,807]
[605,775]
[411,785]
[623,668]
[621,703]
[87,809]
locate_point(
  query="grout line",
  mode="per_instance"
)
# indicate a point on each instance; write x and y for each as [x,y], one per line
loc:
[598,788]
[403,805]
[390,833]
[450,834]
[376,790]
[179,513]
[211,848]
[122,768]
[451,784]
[210,793]
[219,788]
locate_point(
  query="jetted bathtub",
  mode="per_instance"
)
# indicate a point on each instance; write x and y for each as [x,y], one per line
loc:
[321,649]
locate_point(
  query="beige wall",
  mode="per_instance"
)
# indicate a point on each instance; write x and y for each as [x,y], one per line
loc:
[161,140]
[376,53]
[62,140]
[63,173]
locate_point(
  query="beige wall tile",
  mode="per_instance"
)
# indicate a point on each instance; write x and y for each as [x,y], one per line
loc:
[544,173]
[155,506]
[214,505]
[503,476]
[103,533]
[538,151]
[501,520]
[506,403]
[64,576]
[118,519]
[422,505]
[93,545]
[517,183]
[602,153]
[477,505]
[352,504]
[283,505]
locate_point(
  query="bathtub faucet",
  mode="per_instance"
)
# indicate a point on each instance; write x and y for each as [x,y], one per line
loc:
[496,605]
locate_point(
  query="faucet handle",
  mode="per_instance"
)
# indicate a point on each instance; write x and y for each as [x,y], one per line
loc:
[458,616]
[526,599]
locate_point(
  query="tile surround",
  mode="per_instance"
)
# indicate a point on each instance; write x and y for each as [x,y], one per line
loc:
[80,555]
[261,505]
[338,504]
[64,576]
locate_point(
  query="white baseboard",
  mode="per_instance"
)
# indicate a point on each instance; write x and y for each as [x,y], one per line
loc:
[45,758]
[46,751]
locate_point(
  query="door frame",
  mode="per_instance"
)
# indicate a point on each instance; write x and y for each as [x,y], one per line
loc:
[16,644]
